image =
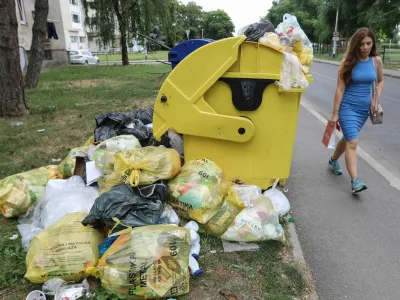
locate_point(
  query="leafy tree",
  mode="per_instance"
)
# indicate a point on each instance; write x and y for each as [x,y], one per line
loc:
[306,11]
[218,25]
[128,17]
[189,17]
[317,17]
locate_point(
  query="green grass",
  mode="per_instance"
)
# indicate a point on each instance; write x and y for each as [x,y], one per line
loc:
[392,64]
[158,55]
[65,104]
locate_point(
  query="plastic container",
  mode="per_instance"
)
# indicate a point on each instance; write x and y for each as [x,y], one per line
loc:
[36,295]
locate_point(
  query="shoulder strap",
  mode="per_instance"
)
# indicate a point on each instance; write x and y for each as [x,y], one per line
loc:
[375,83]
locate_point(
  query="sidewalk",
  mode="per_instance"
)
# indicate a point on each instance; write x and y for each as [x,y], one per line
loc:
[386,72]
[350,242]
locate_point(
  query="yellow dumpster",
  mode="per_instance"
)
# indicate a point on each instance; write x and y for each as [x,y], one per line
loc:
[223,99]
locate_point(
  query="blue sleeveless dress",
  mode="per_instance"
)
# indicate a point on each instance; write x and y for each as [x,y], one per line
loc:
[353,111]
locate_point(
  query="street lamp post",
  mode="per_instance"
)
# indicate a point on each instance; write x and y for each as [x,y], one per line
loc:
[335,38]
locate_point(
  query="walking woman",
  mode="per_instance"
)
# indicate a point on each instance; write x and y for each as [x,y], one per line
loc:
[360,67]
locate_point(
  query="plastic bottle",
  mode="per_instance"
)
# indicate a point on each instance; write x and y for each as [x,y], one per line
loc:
[192,225]
[194,267]
[194,244]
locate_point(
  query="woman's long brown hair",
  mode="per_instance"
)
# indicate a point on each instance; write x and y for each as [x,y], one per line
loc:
[353,52]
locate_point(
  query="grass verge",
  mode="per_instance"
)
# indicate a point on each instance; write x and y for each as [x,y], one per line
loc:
[65,104]
[391,65]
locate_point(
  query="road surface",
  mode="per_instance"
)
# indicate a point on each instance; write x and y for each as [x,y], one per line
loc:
[351,243]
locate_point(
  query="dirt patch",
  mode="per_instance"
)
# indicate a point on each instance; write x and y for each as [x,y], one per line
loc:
[310,283]
[93,82]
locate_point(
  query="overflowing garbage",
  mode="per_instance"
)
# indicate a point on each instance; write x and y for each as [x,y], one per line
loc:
[289,38]
[128,209]
[136,225]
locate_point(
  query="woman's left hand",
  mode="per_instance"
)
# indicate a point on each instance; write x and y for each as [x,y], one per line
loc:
[373,105]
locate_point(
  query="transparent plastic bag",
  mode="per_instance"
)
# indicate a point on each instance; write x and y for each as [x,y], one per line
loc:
[62,197]
[197,192]
[104,153]
[73,291]
[291,34]
[20,191]
[227,212]
[271,39]
[248,193]
[292,75]
[279,200]
[143,166]
[259,222]
[148,263]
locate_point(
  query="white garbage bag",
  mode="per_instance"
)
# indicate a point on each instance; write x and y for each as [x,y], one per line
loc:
[279,200]
[62,197]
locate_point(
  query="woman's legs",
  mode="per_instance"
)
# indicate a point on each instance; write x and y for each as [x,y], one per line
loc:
[340,148]
[351,157]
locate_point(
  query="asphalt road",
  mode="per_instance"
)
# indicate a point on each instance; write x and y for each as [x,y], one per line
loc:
[351,243]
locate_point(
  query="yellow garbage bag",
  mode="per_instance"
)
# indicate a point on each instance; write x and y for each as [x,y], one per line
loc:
[229,209]
[144,166]
[90,141]
[20,191]
[150,262]
[67,166]
[197,192]
[64,250]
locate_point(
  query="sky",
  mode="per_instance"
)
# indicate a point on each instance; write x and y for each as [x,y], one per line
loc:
[243,12]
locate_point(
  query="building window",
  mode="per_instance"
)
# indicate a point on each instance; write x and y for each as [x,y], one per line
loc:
[74,39]
[21,11]
[82,39]
[47,55]
[73,2]
[76,18]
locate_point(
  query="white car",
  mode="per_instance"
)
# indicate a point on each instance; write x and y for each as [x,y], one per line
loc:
[83,57]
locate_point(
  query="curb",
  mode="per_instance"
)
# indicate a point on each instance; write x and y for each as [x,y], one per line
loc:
[388,73]
[297,251]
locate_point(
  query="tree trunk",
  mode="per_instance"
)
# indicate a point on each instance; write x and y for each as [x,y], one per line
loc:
[12,100]
[124,49]
[122,29]
[37,48]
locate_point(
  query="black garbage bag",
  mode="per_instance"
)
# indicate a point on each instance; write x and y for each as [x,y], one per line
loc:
[133,206]
[143,114]
[257,30]
[111,126]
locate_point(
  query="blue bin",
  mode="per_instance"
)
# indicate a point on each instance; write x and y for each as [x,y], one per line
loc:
[181,50]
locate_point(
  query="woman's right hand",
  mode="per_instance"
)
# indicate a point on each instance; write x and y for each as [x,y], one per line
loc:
[334,118]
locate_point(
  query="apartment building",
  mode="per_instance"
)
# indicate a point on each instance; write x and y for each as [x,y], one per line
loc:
[66,30]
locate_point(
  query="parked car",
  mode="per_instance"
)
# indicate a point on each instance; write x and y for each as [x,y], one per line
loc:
[83,57]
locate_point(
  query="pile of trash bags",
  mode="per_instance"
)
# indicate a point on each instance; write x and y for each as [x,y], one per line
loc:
[128,209]
[291,40]
[129,213]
